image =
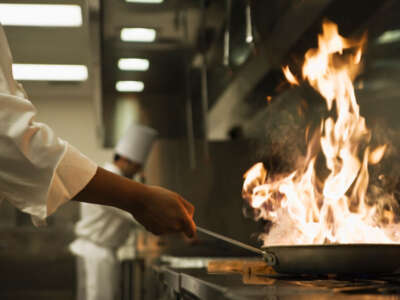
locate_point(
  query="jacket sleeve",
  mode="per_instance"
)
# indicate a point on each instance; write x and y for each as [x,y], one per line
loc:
[38,170]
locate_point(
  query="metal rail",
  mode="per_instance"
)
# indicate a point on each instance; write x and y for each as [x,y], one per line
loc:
[231,241]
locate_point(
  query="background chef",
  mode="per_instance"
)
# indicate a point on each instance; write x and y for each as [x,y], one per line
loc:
[103,229]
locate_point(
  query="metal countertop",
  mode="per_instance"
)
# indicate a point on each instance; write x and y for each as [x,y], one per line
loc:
[198,283]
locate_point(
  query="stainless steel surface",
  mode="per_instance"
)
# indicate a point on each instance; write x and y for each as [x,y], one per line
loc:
[325,259]
[93,20]
[336,259]
[231,103]
[186,262]
[204,106]
[188,97]
[231,241]
[179,262]
[249,24]
[204,84]
[227,32]
[202,285]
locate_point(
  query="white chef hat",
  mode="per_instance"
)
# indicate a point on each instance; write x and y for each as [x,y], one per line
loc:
[136,143]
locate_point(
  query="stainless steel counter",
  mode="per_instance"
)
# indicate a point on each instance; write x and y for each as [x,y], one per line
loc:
[198,284]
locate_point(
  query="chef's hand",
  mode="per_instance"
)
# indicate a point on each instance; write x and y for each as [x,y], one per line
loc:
[158,210]
[163,211]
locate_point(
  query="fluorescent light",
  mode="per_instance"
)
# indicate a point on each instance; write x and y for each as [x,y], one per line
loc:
[138,35]
[145,1]
[129,86]
[37,72]
[133,64]
[389,36]
[46,15]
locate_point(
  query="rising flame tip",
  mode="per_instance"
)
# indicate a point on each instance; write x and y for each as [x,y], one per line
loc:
[304,206]
[376,155]
[289,76]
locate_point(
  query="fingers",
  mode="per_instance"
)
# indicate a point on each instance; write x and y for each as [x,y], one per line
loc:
[172,214]
[189,227]
[188,206]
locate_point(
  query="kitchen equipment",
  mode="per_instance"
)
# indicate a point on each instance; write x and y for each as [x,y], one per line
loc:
[326,259]
[204,83]
[201,284]
[188,97]
[249,24]
[334,258]
[228,6]
[231,241]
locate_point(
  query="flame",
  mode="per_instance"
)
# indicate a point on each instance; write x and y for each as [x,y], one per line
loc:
[289,76]
[305,208]
[376,155]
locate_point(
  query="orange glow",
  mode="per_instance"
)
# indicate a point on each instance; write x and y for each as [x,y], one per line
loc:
[306,208]
[289,76]
[357,57]
[376,155]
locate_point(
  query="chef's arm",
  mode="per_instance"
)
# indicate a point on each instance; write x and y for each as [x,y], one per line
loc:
[158,210]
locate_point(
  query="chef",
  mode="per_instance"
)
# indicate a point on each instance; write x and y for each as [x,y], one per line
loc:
[39,171]
[102,229]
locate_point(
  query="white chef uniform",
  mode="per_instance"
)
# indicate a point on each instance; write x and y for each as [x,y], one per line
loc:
[38,170]
[100,231]
[103,229]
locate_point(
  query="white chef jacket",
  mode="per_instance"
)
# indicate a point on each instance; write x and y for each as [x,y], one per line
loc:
[38,170]
[105,226]
[100,231]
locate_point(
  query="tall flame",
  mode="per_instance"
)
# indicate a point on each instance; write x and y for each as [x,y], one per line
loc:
[306,209]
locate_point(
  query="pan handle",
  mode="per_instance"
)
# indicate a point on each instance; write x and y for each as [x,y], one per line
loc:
[270,258]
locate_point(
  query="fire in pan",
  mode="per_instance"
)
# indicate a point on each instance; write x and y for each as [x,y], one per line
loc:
[332,219]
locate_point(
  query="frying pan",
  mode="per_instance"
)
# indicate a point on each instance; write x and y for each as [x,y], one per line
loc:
[334,259]
[325,259]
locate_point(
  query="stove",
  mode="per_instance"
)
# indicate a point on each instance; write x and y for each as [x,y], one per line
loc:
[243,279]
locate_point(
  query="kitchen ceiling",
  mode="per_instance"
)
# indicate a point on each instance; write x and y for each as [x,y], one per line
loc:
[49,45]
[97,45]
[166,53]
[161,88]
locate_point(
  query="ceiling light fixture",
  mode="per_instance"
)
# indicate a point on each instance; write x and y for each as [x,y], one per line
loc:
[133,64]
[138,35]
[390,36]
[40,15]
[129,86]
[145,1]
[36,72]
